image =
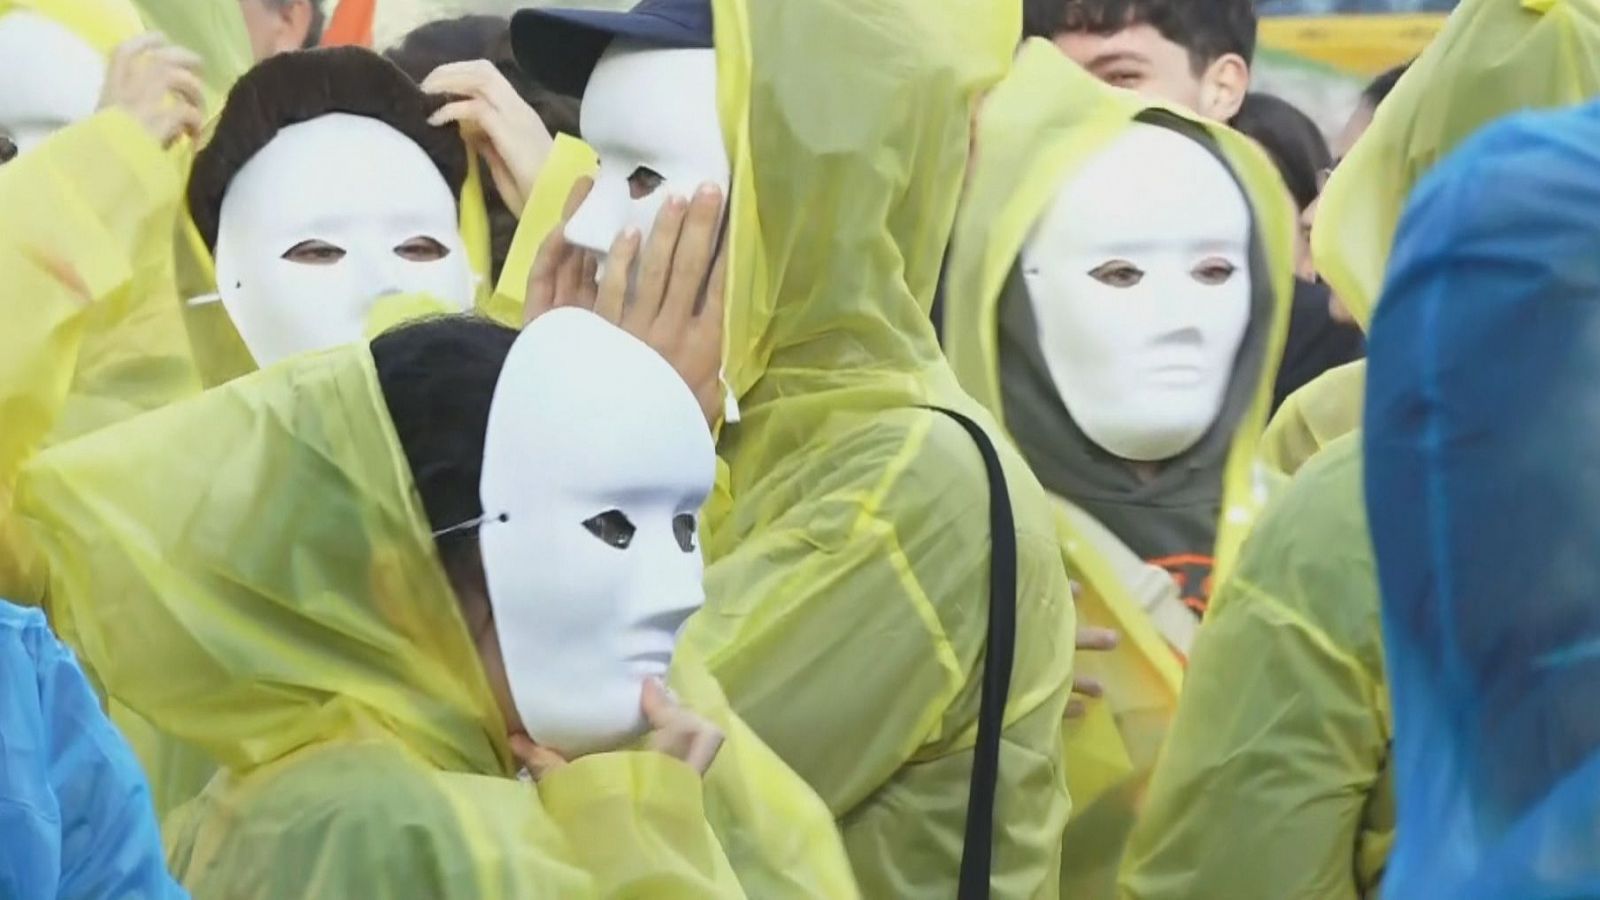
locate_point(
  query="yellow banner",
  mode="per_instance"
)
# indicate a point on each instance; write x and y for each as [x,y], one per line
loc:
[1363,45]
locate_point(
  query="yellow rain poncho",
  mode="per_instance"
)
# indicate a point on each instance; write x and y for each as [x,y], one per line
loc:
[93,332]
[847,576]
[1325,409]
[1493,57]
[252,571]
[1274,781]
[1047,118]
[848,547]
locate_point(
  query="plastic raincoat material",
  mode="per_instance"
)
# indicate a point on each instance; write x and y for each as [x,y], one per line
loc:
[848,563]
[848,543]
[1481,478]
[1047,118]
[1274,781]
[271,593]
[1324,410]
[74,807]
[1493,57]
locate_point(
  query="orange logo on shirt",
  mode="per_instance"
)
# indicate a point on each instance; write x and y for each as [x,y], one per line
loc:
[1192,572]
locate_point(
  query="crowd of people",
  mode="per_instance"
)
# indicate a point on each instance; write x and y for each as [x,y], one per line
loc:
[732,448]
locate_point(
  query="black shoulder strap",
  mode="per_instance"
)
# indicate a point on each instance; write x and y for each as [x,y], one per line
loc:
[978,849]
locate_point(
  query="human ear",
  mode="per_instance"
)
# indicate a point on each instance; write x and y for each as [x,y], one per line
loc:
[1224,86]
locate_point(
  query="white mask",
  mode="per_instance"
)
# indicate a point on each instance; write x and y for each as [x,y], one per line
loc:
[332,215]
[49,78]
[596,462]
[651,116]
[1143,361]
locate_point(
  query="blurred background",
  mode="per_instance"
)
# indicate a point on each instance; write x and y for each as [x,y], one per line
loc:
[1315,53]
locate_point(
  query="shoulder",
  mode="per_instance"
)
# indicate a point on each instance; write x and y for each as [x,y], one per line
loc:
[346,810]
[1310,557]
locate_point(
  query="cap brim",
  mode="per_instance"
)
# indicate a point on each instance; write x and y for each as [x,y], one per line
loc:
[559,47]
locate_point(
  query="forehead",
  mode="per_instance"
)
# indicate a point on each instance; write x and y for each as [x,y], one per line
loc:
[338,165]
[1137,43]
[1151,185]
[641,97]
[46,71]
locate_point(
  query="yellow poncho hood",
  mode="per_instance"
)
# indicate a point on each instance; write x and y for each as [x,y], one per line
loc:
[1493,57]
[1046,119]
[266,618]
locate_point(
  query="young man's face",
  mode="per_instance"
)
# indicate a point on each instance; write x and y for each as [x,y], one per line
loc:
[1140,59]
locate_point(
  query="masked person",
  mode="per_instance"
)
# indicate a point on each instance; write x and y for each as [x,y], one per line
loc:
[372,214]
[1479,479]
[1115,294]
[849,545]
[1276,777]
[391,576]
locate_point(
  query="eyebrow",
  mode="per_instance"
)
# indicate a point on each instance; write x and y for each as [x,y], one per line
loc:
[1116,56]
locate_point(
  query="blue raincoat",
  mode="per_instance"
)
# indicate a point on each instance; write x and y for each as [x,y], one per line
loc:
[1483,491]
[75,814]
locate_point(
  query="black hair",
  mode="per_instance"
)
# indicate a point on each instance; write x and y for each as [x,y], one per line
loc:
[1207,29]
[1294,142]
[291,88]
[440,43]
[438,377]
[1380,88]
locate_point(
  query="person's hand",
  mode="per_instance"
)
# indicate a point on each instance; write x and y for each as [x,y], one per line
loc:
[1094,640]
[674,731]
[496,122]
[677,291]
[677,297]
[563,273]
[159,85]
[677,731]
[539,761]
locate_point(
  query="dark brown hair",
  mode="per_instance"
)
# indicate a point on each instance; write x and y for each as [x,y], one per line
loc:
[291,88]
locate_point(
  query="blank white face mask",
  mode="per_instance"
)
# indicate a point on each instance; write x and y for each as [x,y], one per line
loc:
[331,216]
[596,462]
[49,78]
[651,116]
[1139,275]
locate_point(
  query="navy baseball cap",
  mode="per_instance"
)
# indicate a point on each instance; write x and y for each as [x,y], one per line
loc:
[559,47]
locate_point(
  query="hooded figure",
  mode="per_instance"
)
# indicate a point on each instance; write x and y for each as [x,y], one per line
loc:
[296,595]
[93,332]
[1028,330]
[1493,57]
[1481,479]
[1288,676]
[849,547]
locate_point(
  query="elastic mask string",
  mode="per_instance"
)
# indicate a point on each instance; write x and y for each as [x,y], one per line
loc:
[471,525]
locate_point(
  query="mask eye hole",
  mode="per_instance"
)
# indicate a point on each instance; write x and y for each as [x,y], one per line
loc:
[1213,271]
[1118,273]
[612,528]
[685,529]
[643,182]
[8,148]
[314,253]
[422,249]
